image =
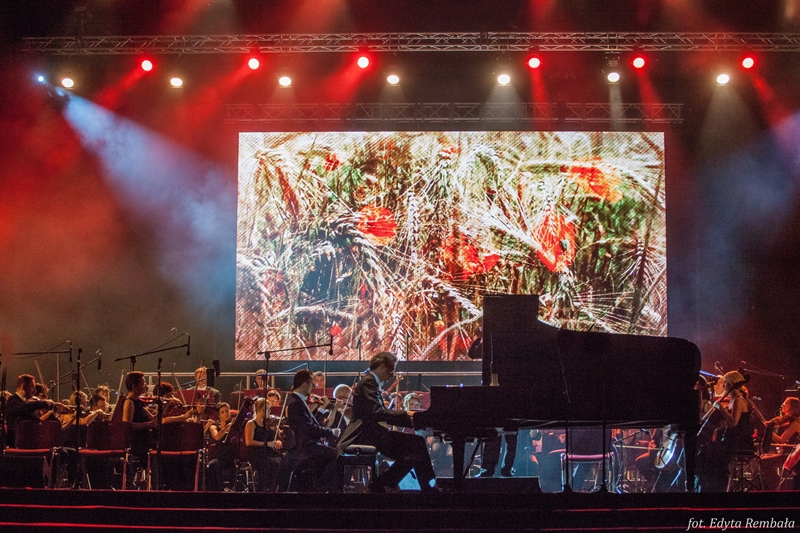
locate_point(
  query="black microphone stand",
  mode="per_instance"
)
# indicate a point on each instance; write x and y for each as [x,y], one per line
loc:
[79,471]
[132,358]
[2,406]
[159,433]
[58,364]
[267,354]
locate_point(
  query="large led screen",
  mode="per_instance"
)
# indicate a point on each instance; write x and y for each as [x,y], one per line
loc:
[388,240]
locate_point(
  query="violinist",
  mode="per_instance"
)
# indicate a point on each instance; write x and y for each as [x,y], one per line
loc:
[174,410]
[738,436]
[223,454]
[342,410]
[23,406]
[257,434]
[308,432]
[77,404]
[274,398]
[783,429]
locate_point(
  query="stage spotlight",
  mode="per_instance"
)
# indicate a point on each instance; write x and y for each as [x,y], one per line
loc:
[611,65]
[363,62]
[534,62]
[393,79]
[285,81]
[176,82]
[503,79]
[68,83]
[638,61]
[723,79]
[253,63]
[748,62]
[146,65]
[40,78]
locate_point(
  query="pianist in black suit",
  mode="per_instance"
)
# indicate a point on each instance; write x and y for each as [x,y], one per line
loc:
[407,450]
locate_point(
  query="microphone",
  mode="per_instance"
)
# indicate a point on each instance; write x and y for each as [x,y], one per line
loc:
[330,346]
[99,355]
[70,351]
[188,344]
[743,363]
[358,344]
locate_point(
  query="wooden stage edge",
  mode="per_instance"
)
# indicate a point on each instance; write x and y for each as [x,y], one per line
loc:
[74,510]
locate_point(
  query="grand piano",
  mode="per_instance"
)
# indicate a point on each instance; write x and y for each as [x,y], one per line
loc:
[545,376]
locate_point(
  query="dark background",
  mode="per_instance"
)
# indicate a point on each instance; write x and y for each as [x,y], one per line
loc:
[117,266]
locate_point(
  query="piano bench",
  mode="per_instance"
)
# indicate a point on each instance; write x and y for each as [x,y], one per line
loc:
[597,459]
[358,468]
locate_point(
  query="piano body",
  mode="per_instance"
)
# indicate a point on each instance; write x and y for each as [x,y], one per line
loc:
[546,376]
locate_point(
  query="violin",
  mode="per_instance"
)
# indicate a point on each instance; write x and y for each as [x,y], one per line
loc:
[318,401]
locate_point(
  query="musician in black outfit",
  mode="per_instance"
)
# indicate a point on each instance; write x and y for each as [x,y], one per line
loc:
[308,433]
[20,407]
[407,450]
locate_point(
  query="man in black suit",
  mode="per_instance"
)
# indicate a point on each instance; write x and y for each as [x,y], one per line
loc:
[307,433]
[20,407]
[407,450]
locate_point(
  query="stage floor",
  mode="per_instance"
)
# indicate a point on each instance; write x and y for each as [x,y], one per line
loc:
[81,510]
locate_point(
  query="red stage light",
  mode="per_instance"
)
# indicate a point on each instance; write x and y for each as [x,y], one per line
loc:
[253,63]
[748,62]
[146,65]
[363,62]
[534,62]
[638,61]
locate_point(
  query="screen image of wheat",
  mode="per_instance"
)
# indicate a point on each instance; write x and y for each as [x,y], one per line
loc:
[388,240]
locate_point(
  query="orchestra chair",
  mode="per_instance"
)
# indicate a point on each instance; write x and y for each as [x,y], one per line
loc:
[745,472]
[182,439]
[107,440]
[572,460]
[40,440]
[295,471]
[357,468]
[245,479]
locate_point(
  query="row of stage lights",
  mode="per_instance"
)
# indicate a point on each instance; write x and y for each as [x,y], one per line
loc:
[613,72]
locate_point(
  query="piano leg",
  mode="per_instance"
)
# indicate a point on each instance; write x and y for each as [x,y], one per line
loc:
[690,447]
[458,443]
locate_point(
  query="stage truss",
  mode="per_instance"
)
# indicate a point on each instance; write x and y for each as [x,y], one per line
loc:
[416,42]
[455,114]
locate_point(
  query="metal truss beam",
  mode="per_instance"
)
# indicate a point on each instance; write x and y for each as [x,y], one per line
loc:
[449,114]
[414,42]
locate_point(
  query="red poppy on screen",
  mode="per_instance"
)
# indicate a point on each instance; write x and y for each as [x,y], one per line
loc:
[597,180]
[332,162]
[555,239]
[336,330]
[377,224]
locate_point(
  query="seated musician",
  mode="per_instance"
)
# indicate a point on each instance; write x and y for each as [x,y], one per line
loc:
[319,380]
[274,398]
[712,468]
[103,391]
[783,429]
[67,420]
[174,410]
[223,455]
[308,432]
[342,411]
[260,375]
[201,384]
[21,406]
[407,451]
[257,435]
